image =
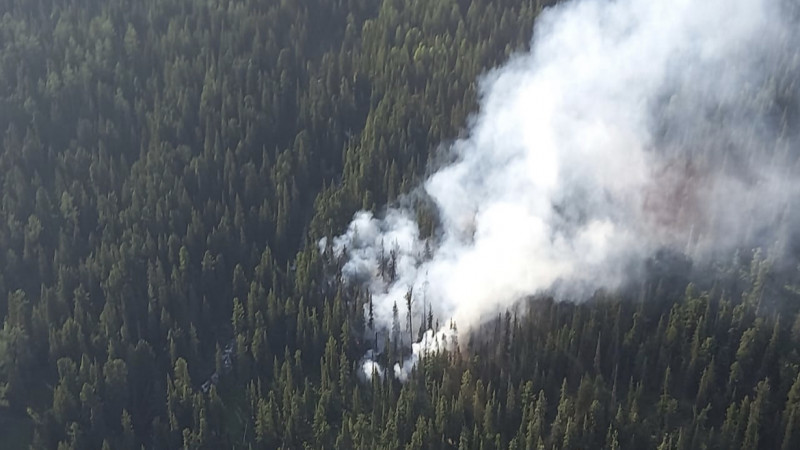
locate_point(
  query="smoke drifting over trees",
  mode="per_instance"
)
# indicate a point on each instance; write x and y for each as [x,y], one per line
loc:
[630,127]
[169,167]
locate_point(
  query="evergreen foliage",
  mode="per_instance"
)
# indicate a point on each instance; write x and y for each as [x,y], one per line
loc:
[167,168]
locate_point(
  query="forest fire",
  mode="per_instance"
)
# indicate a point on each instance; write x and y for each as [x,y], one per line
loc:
[672,203]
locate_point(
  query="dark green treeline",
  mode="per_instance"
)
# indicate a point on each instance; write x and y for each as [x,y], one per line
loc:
[166,169]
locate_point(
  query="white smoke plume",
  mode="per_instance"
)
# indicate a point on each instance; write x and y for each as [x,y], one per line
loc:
[630,126]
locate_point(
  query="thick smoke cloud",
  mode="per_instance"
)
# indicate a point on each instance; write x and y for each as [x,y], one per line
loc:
[630,126]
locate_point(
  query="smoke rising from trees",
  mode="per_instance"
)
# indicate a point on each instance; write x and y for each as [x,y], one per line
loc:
[630,126]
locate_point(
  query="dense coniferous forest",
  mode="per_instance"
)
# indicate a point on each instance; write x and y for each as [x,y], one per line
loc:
[167,169]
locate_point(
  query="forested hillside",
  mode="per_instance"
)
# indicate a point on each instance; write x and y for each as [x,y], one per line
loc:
[167,169]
